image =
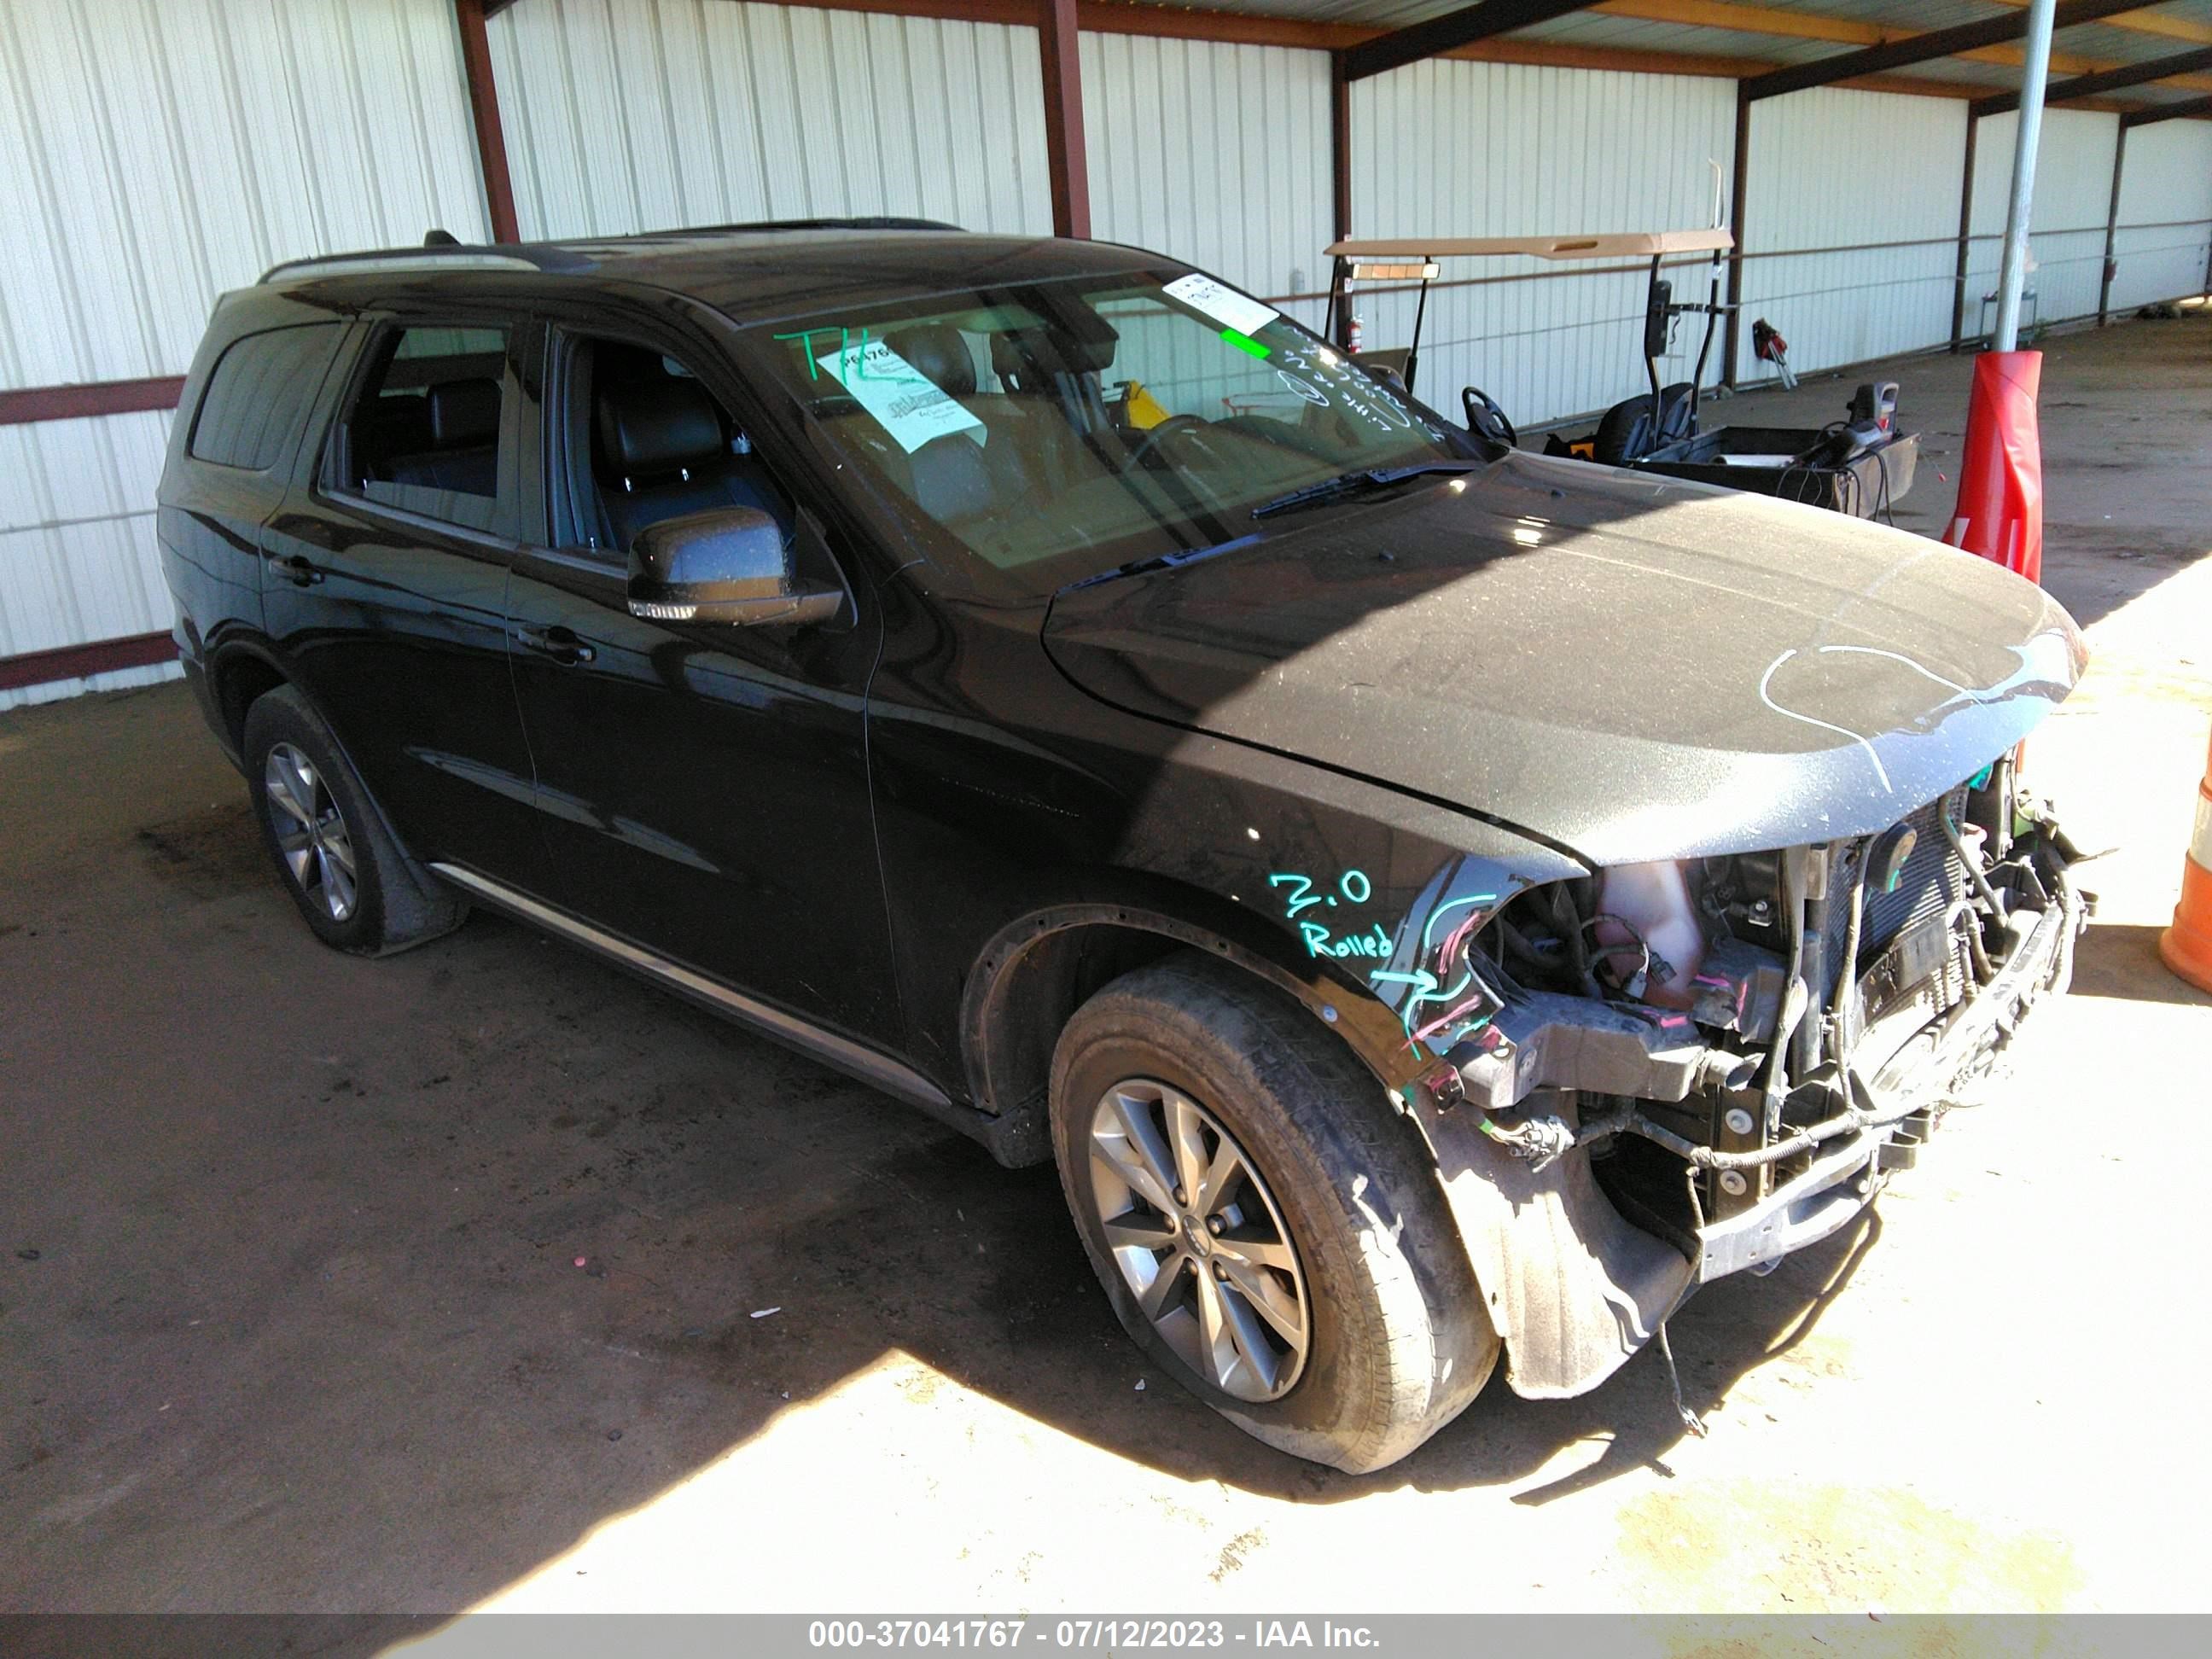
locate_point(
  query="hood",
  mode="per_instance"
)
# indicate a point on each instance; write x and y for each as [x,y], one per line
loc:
[1637,668]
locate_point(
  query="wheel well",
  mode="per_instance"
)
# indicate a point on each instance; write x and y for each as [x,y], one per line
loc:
[1030,989]
[238,684]
[1030,979]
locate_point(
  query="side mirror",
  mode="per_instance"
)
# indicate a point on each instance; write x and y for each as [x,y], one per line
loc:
[729,565]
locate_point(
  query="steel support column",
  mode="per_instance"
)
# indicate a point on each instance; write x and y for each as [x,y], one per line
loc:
[483,111]
[1732,341]
[1337,324]
[1057,42]
[2021,208]
[1965,234]
[2111,226]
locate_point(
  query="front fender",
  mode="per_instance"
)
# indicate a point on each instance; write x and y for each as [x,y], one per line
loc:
[1355,890]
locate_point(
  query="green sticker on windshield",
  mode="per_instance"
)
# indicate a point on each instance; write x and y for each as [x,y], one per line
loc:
[1245,342]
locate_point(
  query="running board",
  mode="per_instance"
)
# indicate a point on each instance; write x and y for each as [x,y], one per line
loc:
[854,1060]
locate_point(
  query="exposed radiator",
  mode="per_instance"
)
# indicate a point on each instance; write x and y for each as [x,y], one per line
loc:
[1931,880]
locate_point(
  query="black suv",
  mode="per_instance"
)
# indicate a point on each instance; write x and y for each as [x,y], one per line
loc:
[1429,900]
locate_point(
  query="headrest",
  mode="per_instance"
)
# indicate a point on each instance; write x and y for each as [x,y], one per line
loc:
[652,427]
[398,421]
[939,353]
[463,413]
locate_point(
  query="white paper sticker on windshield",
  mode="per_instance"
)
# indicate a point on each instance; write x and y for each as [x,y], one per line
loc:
[913,408]
[1224,305]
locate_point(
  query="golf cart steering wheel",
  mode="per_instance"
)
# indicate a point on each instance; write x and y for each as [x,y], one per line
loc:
[1141,452]
[1486,419]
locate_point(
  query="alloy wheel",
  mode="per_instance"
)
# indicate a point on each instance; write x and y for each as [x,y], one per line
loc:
[311,831]
[1198,1240]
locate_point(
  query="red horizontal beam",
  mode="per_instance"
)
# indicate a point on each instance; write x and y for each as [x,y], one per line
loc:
[72,662]
[76,403]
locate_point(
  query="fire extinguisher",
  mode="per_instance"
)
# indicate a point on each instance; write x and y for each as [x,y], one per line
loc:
[1353,336]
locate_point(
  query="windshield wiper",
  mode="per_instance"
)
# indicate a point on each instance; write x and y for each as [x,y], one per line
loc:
[1357,483]
[1159,562]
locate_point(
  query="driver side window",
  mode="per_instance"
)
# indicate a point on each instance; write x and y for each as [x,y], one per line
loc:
[642,440]
[645,441]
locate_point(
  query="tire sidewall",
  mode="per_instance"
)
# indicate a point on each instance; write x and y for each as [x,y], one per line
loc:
[1347,1323]
[283,716]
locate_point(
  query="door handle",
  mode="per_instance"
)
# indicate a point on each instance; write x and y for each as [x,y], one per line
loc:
[559,643]
[295,569]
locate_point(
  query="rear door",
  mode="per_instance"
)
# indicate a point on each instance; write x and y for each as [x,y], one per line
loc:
[230,458]
[704,787]
[386,576]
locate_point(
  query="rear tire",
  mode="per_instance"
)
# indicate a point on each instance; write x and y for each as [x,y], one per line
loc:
[356,888]
[1395,1342]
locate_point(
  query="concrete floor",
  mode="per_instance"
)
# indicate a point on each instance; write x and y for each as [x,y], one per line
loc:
[291,1316]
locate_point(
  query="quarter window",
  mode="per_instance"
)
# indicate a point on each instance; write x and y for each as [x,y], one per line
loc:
[258,395]
[425,430]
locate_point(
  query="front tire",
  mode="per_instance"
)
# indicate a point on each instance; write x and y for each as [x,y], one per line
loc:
[1266,1226]
[355,886]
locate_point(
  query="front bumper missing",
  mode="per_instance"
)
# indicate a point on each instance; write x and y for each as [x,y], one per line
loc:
[1944,1065]
[1573,1288]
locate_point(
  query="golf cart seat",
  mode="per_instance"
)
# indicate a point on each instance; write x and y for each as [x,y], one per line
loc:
[1625,433]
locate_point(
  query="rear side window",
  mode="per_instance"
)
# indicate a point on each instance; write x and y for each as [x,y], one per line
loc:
[424,430]
[259,394]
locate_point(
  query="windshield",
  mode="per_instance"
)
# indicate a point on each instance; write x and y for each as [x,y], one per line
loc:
[1031,437]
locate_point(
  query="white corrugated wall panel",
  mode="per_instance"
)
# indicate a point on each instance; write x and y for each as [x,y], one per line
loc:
[162,153]
[1213,153]
[630,115]
[78,558]
[1452,148]
[2066,232]
[1803,194]
[158,152]
[2166,214]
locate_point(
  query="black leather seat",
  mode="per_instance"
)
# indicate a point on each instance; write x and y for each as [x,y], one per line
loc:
[464,452]
[663,441]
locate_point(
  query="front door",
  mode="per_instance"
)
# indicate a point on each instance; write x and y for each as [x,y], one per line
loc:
[386,584]
[703,788]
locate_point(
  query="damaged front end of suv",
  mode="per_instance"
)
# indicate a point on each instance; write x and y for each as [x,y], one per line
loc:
[1757,894]
[1678,1071]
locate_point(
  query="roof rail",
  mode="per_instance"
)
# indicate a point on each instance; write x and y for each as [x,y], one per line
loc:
[460,256]
[880,222]
[449,254]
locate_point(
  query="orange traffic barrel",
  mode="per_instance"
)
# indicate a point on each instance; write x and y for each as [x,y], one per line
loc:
[2187,946]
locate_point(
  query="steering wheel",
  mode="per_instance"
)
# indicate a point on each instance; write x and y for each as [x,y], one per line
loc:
[1486,419]
[1141,452]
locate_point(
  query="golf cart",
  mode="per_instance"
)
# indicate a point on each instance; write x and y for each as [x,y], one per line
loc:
[1861,464]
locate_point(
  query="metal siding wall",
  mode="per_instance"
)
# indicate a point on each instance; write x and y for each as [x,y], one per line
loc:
[77,558]
[2167,177]
[631,115]
[1453,148]
[1837,308]
[159,153]
[1216,155]
[2066,236]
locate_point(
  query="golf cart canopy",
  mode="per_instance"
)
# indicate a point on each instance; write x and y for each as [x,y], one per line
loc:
[1607,244]
[1406,260]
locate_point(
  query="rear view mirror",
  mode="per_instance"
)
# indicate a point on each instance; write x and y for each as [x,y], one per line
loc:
[730,565]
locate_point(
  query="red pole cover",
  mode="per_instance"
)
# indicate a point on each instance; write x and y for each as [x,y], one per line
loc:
[2000,510]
